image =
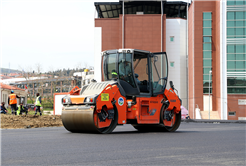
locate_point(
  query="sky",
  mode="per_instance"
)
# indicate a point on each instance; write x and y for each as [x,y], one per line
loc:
[52,34]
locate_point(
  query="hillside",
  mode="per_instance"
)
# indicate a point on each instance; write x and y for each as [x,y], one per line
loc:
[7,71]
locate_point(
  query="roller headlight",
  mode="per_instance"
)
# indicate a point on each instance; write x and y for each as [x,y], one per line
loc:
[90,99]
[66,100]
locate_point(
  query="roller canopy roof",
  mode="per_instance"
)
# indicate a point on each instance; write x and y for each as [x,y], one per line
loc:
[114,9]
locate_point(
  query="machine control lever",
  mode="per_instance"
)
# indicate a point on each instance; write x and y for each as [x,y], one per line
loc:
[171,85]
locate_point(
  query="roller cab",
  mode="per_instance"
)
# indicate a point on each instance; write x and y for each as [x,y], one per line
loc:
[133,91]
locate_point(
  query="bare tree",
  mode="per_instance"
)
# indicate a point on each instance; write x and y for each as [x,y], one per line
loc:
[27,73]
[85,65]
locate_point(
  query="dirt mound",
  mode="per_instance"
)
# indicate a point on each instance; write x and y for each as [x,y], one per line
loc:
[29,121]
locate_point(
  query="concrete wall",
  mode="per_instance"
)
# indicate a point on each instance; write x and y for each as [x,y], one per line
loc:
[176,52]
[191,89]
[97,53]
[206,103]
[4,97]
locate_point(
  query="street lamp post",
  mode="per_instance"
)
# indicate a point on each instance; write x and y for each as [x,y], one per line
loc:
[209,95]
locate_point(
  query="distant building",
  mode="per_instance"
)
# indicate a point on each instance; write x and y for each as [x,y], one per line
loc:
[155,26]
[85,77]
[5,92]
[48,86]
[198,36]
[217,43]
[10,80]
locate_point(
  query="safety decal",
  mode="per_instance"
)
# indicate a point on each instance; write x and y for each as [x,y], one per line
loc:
[120,101]
[104,97]
[152,112]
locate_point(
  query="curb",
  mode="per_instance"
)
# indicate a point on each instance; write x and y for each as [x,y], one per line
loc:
[212,121]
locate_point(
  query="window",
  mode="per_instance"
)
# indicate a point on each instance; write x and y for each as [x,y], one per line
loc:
[78,82]
[236,85]
[207,16]
[207,52]
[57,90]
[236,2]
[236,58]
[65,89]
[207,31]
[172,64]
[171,38]
[110,70]
[159,67]
[30,85]
[207,46]
[207,39]
[141,69]
[47,91]
[125,68]
[231,113]
[236,24]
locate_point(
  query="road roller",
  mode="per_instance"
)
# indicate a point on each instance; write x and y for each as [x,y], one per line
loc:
[133,91]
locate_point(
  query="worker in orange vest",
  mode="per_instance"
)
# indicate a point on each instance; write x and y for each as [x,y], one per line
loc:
[12,100]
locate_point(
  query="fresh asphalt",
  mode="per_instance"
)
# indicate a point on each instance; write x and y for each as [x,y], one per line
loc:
[192,144]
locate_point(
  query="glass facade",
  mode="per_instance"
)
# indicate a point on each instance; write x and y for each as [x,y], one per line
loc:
[236,47]
[207,52]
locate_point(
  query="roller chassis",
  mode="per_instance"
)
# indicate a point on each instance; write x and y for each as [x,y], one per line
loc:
[123,99]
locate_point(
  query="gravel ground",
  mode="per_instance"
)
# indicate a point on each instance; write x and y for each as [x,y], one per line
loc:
[29,121]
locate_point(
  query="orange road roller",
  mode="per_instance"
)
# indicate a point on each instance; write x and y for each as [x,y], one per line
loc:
[133,91]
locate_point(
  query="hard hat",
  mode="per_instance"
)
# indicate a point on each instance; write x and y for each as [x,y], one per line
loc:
[12,91]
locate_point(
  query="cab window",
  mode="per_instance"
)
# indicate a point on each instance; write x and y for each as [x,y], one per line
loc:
[125,68]
[141,72]
[159,72]
[110,67]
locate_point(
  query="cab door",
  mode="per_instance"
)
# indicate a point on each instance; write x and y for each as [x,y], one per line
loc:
[159,72]
[126,73]
[151,106]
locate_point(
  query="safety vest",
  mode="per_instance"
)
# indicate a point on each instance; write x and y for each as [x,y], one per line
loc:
[19,108]
[12,99]
[114,73]
[38,102]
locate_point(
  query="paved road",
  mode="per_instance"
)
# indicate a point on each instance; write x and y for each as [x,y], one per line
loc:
[192,144]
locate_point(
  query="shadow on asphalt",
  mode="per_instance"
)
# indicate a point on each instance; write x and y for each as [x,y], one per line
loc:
[134,132]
